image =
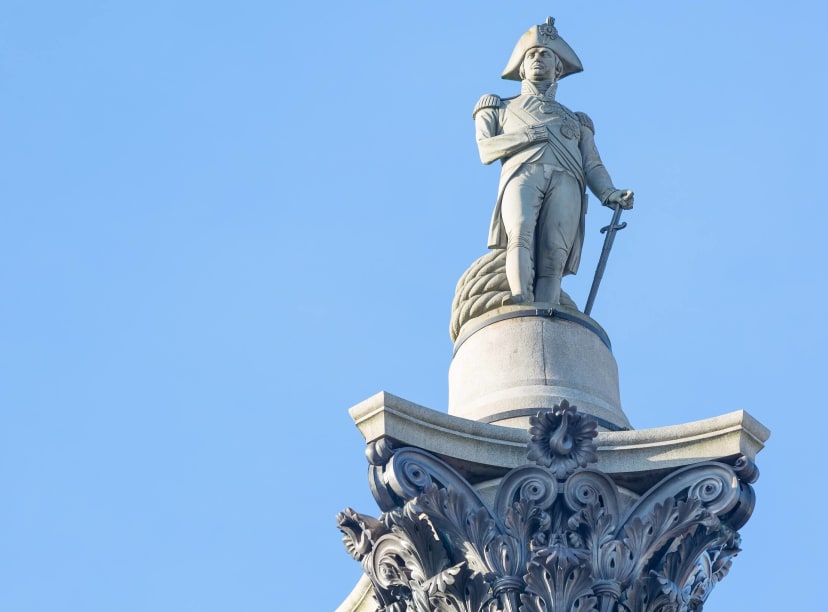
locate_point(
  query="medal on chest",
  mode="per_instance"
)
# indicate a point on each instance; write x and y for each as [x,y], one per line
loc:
[570,126]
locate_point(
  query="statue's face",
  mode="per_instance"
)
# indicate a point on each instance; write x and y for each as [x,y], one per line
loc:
[539,64]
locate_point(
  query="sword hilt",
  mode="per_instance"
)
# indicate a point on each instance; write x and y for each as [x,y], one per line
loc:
[607,228]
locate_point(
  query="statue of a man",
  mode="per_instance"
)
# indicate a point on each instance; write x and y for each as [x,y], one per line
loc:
[549,159]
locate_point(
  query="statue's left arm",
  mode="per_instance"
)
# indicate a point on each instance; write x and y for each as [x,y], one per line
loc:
[597,178]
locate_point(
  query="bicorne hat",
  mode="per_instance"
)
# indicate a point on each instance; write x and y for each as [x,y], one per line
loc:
[543,35]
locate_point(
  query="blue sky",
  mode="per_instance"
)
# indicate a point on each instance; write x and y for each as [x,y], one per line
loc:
[223,224]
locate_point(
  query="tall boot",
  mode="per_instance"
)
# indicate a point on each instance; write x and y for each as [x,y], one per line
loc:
[548,290]
[519,274]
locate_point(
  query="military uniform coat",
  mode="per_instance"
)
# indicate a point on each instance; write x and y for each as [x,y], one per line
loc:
[503,132]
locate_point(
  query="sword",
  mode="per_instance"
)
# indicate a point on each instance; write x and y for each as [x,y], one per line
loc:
[609,230]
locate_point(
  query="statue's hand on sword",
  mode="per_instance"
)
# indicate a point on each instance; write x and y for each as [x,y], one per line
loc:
[622,197]
[618,200]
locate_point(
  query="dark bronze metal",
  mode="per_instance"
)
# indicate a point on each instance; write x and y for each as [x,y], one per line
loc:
[558,535]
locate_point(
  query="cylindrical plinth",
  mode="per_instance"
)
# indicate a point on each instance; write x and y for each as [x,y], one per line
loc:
[515,360]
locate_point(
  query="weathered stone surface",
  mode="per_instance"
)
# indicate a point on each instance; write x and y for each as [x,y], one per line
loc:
[361,599]
[515,360]
[481,451]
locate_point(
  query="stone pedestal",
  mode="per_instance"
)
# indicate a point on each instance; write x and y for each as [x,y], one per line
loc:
[514,361]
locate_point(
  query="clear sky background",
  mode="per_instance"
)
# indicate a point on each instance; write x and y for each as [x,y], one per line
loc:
[223,224]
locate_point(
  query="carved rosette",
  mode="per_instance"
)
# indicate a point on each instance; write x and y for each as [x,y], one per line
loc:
[561,439]
[559,536]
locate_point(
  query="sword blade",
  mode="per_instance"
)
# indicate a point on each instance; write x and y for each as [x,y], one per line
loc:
[610,230]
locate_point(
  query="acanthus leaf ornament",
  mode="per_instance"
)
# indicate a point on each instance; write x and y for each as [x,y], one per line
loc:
[557,536]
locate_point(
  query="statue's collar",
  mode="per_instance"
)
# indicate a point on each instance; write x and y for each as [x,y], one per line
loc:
[544,89]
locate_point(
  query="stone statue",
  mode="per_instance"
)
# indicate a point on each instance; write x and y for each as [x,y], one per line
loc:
[548,158]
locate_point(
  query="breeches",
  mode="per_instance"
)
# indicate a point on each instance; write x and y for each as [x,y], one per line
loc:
[541,211]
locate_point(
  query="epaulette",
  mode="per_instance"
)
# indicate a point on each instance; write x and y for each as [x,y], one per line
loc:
[586,121]
[487,101]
